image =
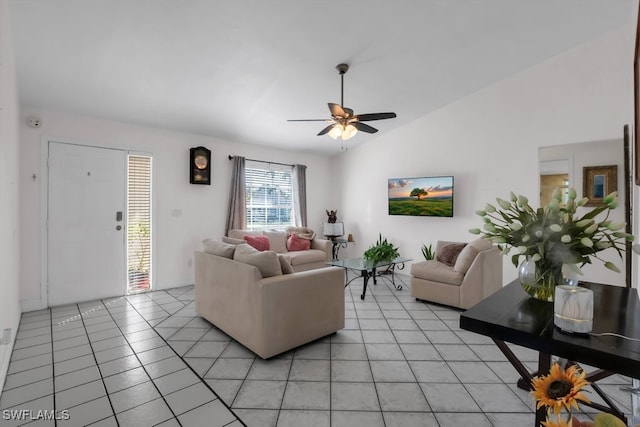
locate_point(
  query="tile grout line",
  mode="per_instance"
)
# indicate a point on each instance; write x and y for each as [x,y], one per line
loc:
[93,353]
[143,367]
[183,361]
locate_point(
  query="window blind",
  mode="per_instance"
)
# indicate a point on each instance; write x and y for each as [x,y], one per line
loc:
[269,191]
[139,223]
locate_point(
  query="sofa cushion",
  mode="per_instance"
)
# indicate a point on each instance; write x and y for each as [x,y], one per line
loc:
[284,265]
[261,243]
[302,232]
[234,233]
[233,241]
[305,257]
[219,248]
[295,243]
[449,253]
[437,272]
[277,241]
[267,261]
[469,253]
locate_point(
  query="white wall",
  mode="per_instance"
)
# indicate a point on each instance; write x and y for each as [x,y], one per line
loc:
[9,238]
[489,141]
[203,208]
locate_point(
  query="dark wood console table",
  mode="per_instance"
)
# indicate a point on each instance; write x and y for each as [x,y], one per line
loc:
[510,315]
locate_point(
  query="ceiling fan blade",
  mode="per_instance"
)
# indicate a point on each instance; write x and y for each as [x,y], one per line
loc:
[307,120]
[375,116]
[337,110]
[364,127]
[326,130]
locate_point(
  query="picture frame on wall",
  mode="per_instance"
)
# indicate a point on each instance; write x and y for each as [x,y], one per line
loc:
[598,182]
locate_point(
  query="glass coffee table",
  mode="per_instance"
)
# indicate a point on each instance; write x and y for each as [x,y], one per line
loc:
[369,269]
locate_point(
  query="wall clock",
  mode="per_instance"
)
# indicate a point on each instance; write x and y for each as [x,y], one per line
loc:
[200,166]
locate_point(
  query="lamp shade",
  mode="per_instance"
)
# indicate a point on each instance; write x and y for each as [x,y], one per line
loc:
[349,131]
[333,229]
[336,131]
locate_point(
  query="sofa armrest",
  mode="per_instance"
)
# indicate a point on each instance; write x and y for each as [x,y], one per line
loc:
[323,245]
[483,278]
[225,293]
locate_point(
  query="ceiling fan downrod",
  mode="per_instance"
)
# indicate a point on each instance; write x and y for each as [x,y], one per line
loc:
[342,69]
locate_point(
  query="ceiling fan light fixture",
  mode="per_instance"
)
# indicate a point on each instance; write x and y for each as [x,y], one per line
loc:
[336,131]
[349,132]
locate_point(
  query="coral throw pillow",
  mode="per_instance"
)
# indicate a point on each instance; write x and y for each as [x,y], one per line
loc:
[261,243]
[295,243]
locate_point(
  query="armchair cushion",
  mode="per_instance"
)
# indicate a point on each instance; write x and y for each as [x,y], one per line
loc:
[449,253]
[436,271]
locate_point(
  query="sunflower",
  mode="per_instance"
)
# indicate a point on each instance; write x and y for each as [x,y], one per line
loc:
[559,422]
[561,388]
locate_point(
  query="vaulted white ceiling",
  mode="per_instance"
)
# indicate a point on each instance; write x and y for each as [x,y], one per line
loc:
[239,69]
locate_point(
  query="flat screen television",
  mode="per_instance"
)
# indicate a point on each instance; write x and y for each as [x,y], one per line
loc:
[425,196]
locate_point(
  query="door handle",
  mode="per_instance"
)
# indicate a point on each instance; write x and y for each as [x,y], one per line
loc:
[119,216]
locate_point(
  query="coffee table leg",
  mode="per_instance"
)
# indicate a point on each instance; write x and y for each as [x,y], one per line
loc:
[365,277]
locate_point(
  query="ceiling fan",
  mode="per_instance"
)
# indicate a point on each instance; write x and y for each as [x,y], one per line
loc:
[343,123]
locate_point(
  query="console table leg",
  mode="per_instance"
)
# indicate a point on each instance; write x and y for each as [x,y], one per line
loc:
[544,366]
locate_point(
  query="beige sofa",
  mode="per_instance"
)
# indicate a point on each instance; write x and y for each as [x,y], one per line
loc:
[476,274]
[268,315]
[316,257]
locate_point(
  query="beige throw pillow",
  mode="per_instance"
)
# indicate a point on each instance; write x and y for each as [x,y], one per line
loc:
[285,266]
[266,261]
[233,241]
[216,247]
[277,241]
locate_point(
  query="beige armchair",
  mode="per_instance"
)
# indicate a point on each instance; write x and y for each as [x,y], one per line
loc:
[475,274]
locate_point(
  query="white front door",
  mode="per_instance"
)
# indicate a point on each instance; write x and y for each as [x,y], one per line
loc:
[86,224]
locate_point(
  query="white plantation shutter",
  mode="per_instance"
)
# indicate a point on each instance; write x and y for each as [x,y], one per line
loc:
[139,223]
[269,195]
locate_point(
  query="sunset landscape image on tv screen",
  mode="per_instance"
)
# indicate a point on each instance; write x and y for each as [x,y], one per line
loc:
[429,196]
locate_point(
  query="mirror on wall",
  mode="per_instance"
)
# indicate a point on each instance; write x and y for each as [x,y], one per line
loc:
[564,166]
[553,174]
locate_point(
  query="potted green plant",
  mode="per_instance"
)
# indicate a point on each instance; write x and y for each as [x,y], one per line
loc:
[383,250]
[428,252]
[139,238]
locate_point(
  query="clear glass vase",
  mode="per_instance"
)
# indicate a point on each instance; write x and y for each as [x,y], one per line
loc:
[540,278]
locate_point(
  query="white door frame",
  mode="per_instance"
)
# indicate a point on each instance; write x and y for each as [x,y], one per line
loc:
[44,208]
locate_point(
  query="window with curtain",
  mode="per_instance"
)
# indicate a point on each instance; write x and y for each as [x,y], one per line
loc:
[269,191]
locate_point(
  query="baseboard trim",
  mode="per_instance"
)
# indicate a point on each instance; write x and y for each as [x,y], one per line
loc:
[33,304]
[7,350]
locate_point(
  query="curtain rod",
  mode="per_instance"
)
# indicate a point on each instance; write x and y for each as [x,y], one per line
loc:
[264,161]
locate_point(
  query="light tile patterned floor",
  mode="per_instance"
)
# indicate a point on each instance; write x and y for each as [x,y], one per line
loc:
[148,359]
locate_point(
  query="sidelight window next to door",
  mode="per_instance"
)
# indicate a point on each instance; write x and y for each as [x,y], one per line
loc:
[139,226]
